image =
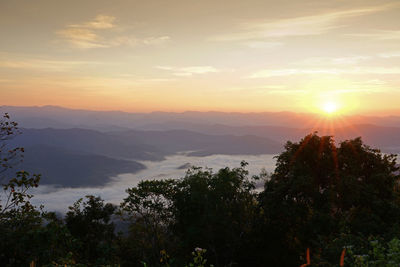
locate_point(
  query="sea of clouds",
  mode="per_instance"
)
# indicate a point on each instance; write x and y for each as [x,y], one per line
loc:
[59,199]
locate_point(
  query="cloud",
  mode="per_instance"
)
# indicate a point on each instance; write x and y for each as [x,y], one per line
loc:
[189,71]
[86,35]
[390,55]
[156,40]
[81,38]
[297,26]
[267,73]
[133,41]
[44,64]
[379,35]
[99,22]
[318,61]
[90,34]
[370,86]
[263,44]
[115,191]
[287,92]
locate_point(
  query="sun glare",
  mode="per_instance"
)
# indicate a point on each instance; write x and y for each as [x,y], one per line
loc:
[330,107]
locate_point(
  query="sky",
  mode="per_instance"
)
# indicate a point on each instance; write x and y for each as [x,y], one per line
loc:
[170,55]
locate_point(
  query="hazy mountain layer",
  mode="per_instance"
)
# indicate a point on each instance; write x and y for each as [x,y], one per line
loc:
[57,117]
[86,148]
[74,169]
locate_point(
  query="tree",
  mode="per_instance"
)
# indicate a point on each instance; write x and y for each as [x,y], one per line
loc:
[215,211]
[319,190]
[211,210]
[149,209]
[90,224]
[18,217]
[15,185]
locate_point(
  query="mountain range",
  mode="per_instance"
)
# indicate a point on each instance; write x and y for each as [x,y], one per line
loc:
[85,148]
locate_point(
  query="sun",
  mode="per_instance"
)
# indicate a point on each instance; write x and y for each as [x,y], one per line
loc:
[330,107]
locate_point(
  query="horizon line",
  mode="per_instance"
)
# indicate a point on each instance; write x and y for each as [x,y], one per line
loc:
[366,114]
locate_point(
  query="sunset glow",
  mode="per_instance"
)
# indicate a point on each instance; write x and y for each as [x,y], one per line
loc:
[243,57]
[330,107]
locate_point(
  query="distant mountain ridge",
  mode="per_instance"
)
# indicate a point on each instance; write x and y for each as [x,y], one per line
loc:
[68,168]
[85,148]
[58,117]
[145,145]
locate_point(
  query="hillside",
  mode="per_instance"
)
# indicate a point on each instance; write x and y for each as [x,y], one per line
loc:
[73,169]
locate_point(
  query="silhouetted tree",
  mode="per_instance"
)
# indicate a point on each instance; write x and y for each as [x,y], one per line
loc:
[319,191]
[90,223]
[18,217]
[149,209]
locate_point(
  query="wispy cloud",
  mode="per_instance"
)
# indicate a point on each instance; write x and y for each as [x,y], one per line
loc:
[263,44]
[379,35]
[349,87]
[99,22]
[91,35]
[390,55]
[267,73]
[81,38]
[297,26]
[44,64]
[287,92]
[321,61]
[369,86]
[189,71]
[134,41]
[6,80]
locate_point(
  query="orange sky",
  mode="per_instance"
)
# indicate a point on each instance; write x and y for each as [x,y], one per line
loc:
[202,55]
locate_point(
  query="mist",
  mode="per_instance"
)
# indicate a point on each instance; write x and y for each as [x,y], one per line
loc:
[60,198]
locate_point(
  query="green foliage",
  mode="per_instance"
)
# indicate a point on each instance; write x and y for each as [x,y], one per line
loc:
[211,208]
[19,219]
[377,254]
[203,208]
[15,196]
[198,258]
[149,210]
[90,224]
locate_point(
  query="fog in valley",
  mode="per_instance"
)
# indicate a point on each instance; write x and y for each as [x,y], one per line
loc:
[58,199]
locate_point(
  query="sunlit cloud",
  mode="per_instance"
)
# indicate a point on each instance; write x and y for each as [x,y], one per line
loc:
[297,26]
[288,72]
[81,38]
[87,85]
[189,71]
[321,61]
[390,55]
[263,44]
[44,64]
[333,71]
[258,89]
[156,40]
[287,92]
[133,41]
[337,87]
[90,35]
[99,22]
[380,35]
